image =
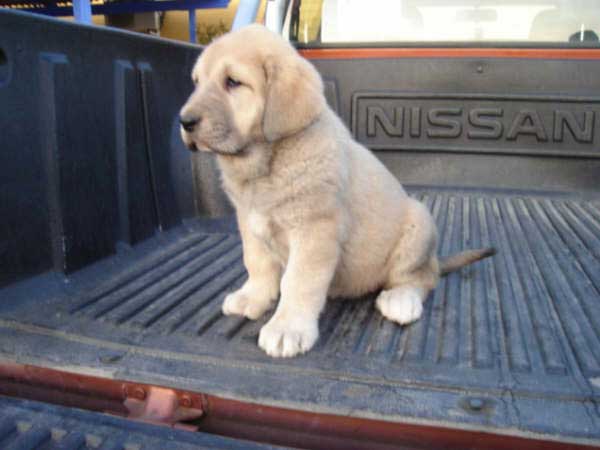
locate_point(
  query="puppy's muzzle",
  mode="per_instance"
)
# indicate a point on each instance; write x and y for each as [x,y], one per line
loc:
[189,123]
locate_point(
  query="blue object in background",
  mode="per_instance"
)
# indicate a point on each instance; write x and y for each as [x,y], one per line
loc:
[246,13]
[82,10]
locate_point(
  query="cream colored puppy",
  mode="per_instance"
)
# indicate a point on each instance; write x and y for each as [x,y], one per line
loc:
[318,214]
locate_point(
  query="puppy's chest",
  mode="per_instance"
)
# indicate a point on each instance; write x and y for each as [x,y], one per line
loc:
[269,232]
[263,207]
[260,226]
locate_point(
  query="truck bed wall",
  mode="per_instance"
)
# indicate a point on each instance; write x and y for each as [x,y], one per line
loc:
[92,159]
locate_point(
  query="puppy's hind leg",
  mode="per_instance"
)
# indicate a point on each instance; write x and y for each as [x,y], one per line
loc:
[403,303]
[413,269]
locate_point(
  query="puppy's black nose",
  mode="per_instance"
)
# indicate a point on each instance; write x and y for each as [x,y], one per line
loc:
[188,123]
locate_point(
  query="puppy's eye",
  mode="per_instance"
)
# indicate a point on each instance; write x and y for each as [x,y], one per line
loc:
[230,83]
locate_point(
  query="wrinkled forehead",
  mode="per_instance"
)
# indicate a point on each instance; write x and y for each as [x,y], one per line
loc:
[215,58]
[233,64]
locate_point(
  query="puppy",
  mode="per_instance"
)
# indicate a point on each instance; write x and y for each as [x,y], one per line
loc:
[319,215]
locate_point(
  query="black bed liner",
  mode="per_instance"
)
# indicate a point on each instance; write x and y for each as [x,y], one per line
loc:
[26,424]
[112,263]
[508,345]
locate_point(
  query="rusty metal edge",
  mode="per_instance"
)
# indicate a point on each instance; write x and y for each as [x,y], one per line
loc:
[255,422]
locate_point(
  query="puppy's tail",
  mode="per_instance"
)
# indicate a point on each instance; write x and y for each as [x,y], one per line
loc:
[455,262]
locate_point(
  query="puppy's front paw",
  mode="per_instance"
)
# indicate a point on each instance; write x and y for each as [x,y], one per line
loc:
[287,338]
[242,304]
[402,305]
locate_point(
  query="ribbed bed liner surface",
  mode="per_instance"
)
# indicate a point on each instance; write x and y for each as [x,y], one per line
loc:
[510,344]
[26,425]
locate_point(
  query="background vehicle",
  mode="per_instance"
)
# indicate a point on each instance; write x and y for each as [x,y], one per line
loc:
[117,245]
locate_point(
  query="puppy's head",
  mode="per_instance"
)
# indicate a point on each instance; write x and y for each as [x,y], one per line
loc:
[250,86]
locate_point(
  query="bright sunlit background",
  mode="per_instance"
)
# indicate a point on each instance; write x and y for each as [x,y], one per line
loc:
[334,21]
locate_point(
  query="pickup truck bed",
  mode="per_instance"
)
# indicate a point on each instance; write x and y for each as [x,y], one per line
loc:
[124,285]
[509,344]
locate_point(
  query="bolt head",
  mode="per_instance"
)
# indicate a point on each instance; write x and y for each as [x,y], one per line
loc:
[476,404]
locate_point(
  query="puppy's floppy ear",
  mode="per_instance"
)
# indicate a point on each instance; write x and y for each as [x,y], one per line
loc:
[294,96]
